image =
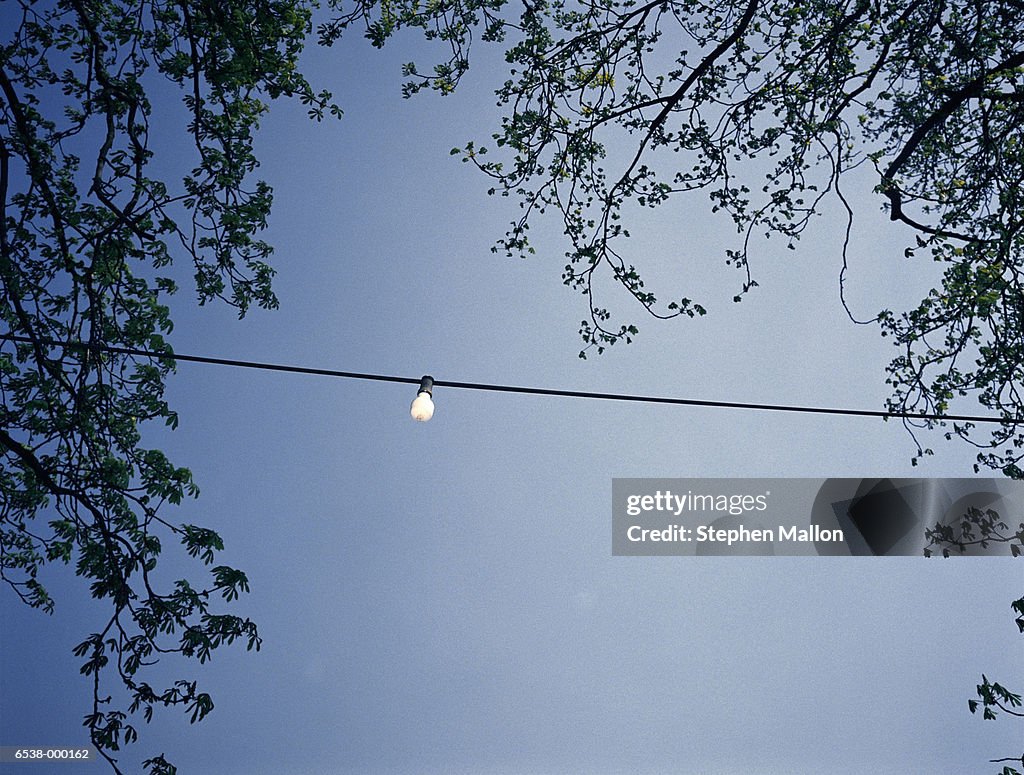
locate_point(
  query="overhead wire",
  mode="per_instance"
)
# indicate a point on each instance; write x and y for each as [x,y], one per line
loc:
[498,388]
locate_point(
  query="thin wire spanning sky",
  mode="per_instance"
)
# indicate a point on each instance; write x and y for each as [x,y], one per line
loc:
[490,387]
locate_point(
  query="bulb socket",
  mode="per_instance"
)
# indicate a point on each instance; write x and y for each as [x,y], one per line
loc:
[426,385]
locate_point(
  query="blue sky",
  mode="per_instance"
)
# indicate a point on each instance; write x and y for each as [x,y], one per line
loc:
[441,597]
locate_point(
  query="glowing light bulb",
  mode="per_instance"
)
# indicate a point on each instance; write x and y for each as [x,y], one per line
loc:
[422,408]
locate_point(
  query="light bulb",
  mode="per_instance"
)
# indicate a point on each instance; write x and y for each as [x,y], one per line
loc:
[422,408]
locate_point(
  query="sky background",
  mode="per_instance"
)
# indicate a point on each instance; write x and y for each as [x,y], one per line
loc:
[441,597]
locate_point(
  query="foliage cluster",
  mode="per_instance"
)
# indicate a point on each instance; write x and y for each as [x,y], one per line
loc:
[763,107]
[88,230]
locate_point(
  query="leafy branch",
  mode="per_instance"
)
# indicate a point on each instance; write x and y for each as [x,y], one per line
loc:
[88,235]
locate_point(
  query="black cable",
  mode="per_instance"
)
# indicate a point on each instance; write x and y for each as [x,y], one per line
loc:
[498,388]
